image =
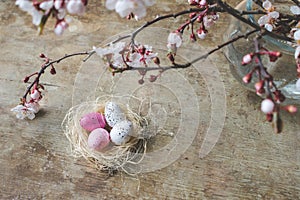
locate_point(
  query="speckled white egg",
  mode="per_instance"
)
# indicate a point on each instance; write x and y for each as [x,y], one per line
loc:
[98,139]
[120,133]
[113,114]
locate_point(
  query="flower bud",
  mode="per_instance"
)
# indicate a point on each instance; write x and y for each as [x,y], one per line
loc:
[278,96]
[171,57]
[193,37]
[142,72]
[259,87]
[42,55]
[247,59]
[152,78]
[267,106]
[192,15]
[26,79]
[156,60]
[269,117]
[274,55]
[247,78]
[290,108]
[35,94]
[52,71]
[141,81]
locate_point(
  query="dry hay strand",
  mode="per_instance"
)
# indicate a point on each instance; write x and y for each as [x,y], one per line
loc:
[113,157]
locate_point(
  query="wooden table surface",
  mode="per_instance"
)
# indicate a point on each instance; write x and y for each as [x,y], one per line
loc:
[249,161]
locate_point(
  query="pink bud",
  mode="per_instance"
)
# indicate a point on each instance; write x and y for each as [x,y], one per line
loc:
[152,78]
[171,57]
[247,78]
[26,79]
[52,71]
[156,60]
[92,121]
[98,139]
[267,106]
[247,59]
[35,94]
[259,87]
[274,55]
[290,108]
[141,81]
[42,55]
[269,117]
[278,96]
[193,37]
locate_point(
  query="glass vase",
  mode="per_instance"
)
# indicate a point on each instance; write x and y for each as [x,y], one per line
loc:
[283,70]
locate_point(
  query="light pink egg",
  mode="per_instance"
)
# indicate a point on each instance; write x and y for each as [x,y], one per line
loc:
[98,139]
[92,121]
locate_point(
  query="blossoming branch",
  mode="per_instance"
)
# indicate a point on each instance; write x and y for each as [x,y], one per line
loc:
[123,56]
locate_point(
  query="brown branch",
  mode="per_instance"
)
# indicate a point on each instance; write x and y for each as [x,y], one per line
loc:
[45,66]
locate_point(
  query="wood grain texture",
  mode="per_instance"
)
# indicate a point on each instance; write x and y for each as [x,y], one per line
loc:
[248,162]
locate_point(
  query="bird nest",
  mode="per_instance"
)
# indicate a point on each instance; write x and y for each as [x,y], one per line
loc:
[115,157]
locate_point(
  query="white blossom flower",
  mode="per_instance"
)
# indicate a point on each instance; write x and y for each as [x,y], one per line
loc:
[27,6]
[33,106]
[267,20]
[61,27]
[115,48]
[175,38]
[269,27]
[267,5]
[75,7]
[297,34]
[295,10]
[126,7]
[137,59]
[210,20]
[46,5]
[23,112]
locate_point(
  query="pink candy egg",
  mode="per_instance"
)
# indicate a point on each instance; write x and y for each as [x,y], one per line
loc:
[98,139]
[92,121]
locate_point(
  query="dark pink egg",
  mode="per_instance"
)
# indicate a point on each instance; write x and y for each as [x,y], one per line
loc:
[92,121]
[98,139]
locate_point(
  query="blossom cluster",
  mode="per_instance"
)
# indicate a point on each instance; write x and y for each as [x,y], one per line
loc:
[120,55]
[129,8]
[29,108]
[42,10]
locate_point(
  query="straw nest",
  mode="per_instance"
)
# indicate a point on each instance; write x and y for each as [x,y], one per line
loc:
[114,157]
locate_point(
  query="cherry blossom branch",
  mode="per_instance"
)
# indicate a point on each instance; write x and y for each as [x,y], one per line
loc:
[160,18]
[235,13]
[47,64]
[186,65]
